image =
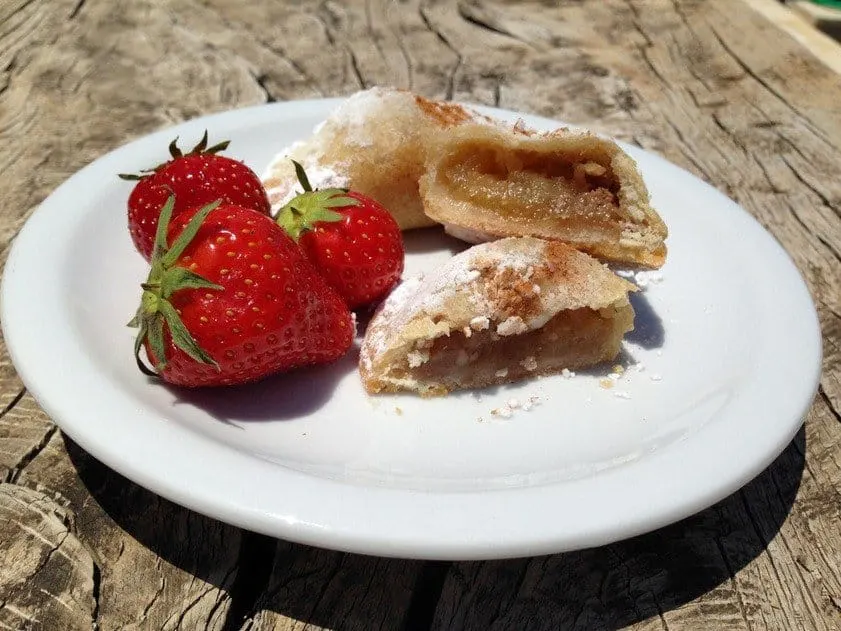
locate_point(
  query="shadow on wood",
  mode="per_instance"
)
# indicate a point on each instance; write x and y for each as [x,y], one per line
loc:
[603,588]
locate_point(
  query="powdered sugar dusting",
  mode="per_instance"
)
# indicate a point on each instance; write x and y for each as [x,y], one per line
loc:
[356,111]
[320,176]
[461,275]
[642,278]
[376,337]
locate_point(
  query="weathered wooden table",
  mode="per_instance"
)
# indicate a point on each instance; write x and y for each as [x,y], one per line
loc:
[737,92]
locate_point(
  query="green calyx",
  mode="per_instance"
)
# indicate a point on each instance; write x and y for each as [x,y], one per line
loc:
[310,207]
[166,279]
[175,152]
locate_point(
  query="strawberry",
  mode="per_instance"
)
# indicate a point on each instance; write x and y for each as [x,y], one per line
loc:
[233,299]
[195,178]
[351,239]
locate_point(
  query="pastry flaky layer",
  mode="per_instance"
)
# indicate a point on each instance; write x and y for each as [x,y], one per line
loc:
[375,143]
[487,181]
[498,312]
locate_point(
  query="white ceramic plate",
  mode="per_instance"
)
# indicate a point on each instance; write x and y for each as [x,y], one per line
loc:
[728,342]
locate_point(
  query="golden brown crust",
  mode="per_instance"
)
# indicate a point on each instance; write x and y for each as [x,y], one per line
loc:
[444,113]
[376,144]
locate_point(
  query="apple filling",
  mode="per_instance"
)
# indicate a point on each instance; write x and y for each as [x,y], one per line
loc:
[469,358]
[522,185]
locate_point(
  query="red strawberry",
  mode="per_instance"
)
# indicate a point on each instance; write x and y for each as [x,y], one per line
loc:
[232,300]
[196,178]
[352,240]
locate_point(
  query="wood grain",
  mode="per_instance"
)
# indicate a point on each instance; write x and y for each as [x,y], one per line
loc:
[47,577]
[714,86]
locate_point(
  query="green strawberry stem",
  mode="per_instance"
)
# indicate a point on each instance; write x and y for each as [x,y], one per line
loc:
[302,212]
[165,279]
[175,152]
[302,177]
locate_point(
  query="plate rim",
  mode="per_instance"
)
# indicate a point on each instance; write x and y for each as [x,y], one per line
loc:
[357,534]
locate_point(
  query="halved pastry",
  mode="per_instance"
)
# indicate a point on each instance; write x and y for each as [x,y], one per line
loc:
[495,313]
[487,181]
[375,142]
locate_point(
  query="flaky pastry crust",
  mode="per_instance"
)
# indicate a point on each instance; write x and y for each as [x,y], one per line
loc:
[497,312]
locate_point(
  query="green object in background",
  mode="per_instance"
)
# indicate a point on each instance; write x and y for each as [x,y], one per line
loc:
[835,4]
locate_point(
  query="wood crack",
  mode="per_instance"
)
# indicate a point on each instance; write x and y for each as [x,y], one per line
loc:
[451,78]
[472,14]
[410,70]
[795,213]
[260,80]
[740,601]
[18,10]
[765,84]
[29,456]
[823,198]
[799,177]
[652,67]
[637,24]
[254,568]
[220,599]
[756,528]
[190,605]
[76,9]
[835,413]
[328,34]
[730,134]
[275,50]
[52,552]
[334,572]
[160,590]
[96,577]
[426,594]
[13,402]
[354,64]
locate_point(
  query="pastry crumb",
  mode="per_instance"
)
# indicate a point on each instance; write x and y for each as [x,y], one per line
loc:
[504,412]
[566,373]
[513,325]
[529,363]
[417,358]
[398,410]
[607,384]
[530,402]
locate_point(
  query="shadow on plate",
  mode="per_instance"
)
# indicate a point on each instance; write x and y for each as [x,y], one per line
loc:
[280,397]
[648,327]
[609,587]
[432,239]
